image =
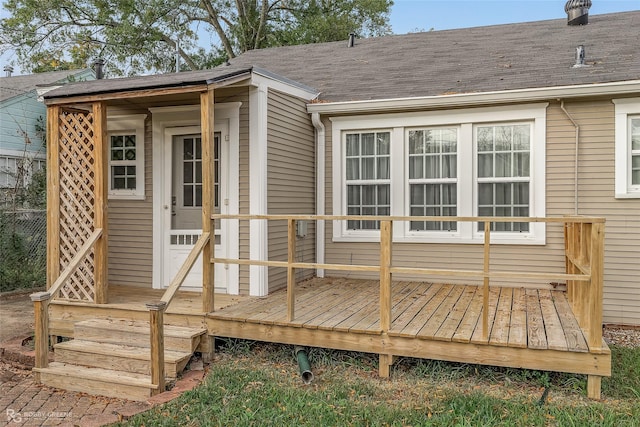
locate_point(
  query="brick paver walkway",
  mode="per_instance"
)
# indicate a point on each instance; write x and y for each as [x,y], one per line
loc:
[25,403]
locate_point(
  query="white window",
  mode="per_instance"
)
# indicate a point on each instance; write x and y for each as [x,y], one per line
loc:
[467,162]
[367,177]
[18,165]
[503,171]
[433,183]
[126,156]
[627,141]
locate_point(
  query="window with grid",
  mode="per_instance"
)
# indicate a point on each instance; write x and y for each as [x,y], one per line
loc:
[433,177]
[635,151]
[503,173]
[192,172]
[368,177]
[123,157]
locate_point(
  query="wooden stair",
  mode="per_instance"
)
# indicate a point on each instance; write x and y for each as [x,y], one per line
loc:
[112,357]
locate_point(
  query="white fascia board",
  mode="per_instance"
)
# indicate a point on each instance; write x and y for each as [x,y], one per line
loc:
[258,79]
[479,98]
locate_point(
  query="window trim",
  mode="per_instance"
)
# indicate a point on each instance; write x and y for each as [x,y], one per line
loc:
[625,109]
[132,124]
[464,120]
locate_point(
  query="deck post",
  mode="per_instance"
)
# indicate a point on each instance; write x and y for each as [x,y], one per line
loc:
[100,220]
[156,340]
[291,271]
[41,330]
[208,197]
[53,194]
[385,274]
[485,288]
[594,303]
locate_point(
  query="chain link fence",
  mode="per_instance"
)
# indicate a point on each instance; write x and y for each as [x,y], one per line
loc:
[23,248]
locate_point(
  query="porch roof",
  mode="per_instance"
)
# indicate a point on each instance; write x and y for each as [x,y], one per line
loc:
[471,60]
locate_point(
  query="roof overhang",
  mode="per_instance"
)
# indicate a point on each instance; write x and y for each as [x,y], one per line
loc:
[477,98]
[159,90]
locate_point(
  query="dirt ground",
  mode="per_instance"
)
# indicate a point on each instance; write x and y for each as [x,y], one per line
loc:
[16,316]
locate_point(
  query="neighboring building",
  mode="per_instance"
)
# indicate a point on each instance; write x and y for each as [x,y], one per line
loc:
[23,119]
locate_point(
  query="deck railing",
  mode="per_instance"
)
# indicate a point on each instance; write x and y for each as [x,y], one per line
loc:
[584,253]
[158,308]
[41,301]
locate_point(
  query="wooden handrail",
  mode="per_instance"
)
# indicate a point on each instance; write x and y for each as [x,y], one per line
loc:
[75,262]
[558,220]
[583,256]
[185,269]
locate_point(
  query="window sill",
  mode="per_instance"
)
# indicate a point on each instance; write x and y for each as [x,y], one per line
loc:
[628,195]
[116,196]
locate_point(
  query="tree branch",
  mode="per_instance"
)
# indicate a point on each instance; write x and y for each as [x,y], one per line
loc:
[213,15]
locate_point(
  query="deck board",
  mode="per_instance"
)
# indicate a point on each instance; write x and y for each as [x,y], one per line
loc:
[535,323]
[575,338]
[518,317]
[501,324]
[470,318]
[478,336]
[518,326]
[414,305]
[422,317]
[439,316]
[552,326]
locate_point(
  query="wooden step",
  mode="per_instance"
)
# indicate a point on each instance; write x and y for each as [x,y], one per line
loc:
[118,357]
[136,334]
[97,381]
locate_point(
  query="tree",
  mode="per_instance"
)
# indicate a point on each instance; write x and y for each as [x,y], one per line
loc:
[142,36]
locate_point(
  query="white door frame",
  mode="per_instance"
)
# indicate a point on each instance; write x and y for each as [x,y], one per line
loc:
[170,121]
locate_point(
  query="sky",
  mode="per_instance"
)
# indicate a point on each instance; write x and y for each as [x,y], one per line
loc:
[423,15]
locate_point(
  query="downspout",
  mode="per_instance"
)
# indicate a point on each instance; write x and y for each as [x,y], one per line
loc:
[575,178]
[320,175]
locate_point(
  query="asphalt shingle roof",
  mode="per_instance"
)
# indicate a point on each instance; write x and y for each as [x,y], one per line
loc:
[492,58]
[18,85]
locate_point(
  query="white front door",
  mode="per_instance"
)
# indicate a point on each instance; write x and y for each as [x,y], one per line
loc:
[183,215]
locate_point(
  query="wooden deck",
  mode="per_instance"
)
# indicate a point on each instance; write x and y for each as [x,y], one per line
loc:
[128,302]
[529,328]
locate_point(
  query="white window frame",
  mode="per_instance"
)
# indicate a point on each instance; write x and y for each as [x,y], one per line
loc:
[361,182]
[464,120]
[408,181]
[128,125]
[625,110]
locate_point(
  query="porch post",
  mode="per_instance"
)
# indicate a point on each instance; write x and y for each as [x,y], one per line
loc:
[208,197]
[53,194]
[100,200]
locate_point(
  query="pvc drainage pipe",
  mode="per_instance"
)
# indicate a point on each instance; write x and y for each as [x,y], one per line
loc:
[303,364]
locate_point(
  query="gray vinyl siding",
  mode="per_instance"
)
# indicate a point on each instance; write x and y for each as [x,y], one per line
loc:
[596,198]
[131,229]
[290,180]
[242,95]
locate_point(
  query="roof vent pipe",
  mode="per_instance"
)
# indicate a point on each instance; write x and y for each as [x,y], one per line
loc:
[8,69]
[580,56]
[352,40]
[98,68]
[577,12]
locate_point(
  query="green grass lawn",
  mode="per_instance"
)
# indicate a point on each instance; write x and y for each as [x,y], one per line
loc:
[257,384]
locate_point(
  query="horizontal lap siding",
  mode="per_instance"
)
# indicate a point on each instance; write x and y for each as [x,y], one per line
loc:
[596,191]
[131,230]
[241,95]
[596,197]
[290,180]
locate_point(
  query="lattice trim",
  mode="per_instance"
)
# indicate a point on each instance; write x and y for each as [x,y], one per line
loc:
[77,193]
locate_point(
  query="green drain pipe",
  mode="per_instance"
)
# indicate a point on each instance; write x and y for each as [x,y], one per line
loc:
[303,364]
